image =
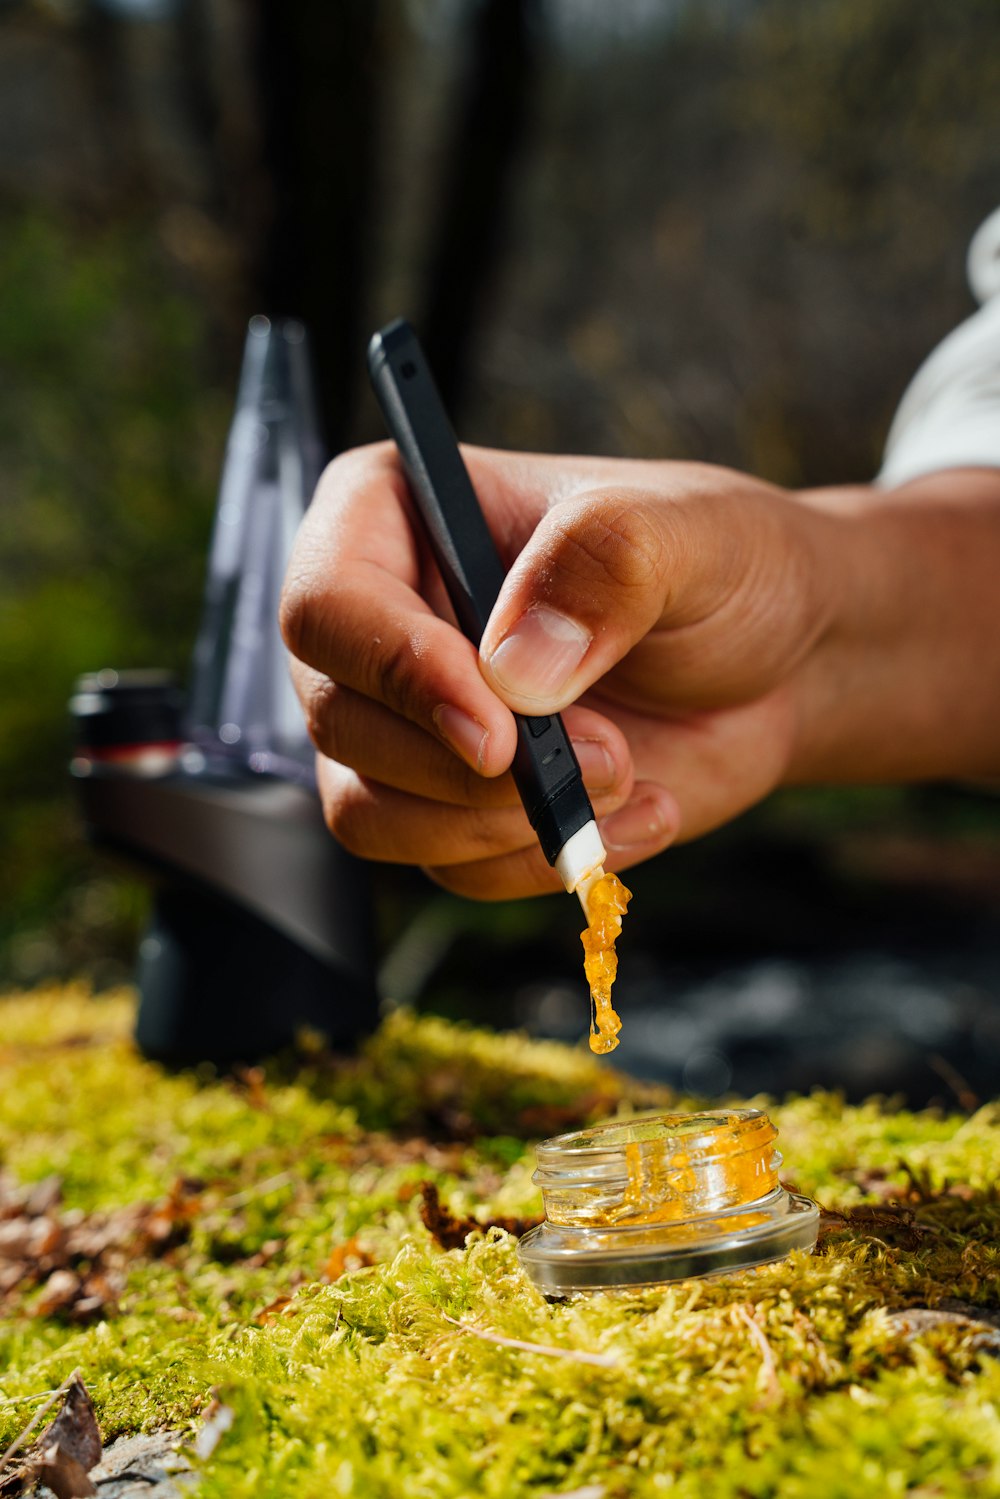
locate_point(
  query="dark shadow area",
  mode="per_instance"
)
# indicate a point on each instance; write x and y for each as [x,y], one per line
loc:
[768,958]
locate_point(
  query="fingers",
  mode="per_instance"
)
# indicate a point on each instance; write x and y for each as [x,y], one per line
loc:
[645,824]
[709,768]
[380,746]
[590,584]
[487,853]
[351,610]
[708,582]
[396,827]
[716,764]
[363,604]
[377,744]
[692,774]
[378,822]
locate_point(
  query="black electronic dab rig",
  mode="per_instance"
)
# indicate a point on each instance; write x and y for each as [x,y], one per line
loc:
[261,923]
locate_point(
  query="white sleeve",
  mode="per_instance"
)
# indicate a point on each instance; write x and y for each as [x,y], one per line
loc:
[949,416]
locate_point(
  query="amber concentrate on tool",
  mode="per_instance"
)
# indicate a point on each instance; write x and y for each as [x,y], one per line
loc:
[606,905]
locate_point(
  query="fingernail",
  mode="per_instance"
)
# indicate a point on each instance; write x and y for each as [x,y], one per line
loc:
[539,654]
[596,764]
[638,822]
[465,734]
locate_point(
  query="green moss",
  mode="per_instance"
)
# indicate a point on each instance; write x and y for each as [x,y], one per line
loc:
[794,1380]
[432,1074]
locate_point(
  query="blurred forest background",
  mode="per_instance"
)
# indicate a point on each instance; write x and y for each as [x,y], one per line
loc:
[727,230]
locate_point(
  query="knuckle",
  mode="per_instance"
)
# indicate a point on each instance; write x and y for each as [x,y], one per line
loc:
[345,817]
[306,585]
[620,540]
[322,717]
[481,831]
[350,839]
[393,669]
[343,472]
[293,613]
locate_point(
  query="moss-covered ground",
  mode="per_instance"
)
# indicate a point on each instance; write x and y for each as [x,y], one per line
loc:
[258,1241]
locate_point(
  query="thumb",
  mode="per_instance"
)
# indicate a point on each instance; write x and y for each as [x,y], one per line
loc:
[588,585]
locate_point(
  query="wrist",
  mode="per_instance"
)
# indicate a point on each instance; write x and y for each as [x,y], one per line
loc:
[904,682]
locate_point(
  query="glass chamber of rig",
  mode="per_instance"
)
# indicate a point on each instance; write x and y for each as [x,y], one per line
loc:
[656,1198]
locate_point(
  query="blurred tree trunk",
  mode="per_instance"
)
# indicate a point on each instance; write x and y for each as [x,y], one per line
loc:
[106,69]
[199,93]
[317,72]
[489,127]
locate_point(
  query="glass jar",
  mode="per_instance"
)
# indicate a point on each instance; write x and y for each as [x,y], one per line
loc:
[662,1197]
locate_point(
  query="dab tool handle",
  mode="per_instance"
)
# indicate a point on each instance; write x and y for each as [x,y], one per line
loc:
[545,768]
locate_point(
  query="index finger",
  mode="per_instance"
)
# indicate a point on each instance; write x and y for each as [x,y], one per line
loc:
[352,608]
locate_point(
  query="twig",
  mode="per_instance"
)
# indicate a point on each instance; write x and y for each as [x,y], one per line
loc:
[26,1399]
[968,1099]
[19,1442]
[283,1179]
[767,1359]
[602,1360]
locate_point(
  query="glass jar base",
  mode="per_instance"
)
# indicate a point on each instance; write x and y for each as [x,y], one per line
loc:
[559,1259]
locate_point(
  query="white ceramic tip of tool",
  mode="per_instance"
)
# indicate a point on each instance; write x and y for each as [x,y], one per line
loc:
[585,886]
[581,862]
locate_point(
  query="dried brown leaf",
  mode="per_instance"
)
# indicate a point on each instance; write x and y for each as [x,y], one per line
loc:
[893,1224]
[78,1297]
[62,1288]
[42,1196]
[273,1310]
[27,1238]
[98,1297]
[89,1235]
[62,1473]
[69,1447]
[12,1273]
[30,1201]
[451,1231]
[169,1222]
[345,1257]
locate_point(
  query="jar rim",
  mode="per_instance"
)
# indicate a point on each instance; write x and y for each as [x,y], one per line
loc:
[605,1143]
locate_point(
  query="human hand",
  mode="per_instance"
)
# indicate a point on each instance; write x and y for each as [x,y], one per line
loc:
[671,611]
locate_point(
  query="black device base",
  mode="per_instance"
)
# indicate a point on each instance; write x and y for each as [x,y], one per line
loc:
[220,985]
[262,924]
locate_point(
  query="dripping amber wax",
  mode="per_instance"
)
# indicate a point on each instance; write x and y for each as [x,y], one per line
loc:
[606,906]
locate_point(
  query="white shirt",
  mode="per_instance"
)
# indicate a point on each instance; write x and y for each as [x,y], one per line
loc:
[949,416]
